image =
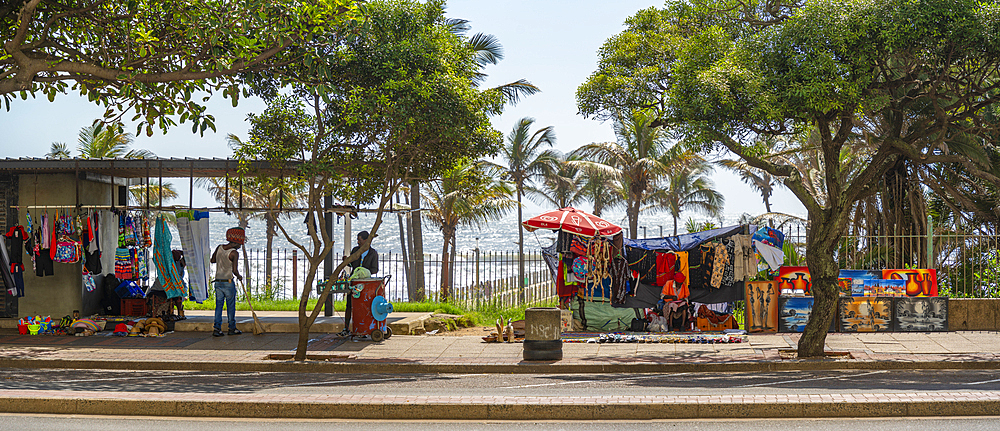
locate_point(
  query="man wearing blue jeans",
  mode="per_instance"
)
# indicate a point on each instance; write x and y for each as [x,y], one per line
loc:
[225,258]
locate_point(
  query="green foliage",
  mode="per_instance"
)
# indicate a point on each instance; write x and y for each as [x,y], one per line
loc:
[152,57]
[488,314]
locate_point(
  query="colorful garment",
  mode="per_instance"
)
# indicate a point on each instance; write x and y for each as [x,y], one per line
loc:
[163,259]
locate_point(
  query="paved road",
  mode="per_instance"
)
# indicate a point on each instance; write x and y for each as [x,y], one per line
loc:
[790,382]
[101,423]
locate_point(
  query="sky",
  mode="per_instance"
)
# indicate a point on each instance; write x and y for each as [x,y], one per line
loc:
[551,43]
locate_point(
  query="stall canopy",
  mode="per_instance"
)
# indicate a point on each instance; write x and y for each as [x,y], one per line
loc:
[683,242]
[574,221]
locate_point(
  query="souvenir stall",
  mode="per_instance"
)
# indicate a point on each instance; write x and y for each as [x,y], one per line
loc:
[870,300]
[73,245]
[686,283]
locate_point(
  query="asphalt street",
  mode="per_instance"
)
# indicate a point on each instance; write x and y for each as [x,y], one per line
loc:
[104,423]
[787,382]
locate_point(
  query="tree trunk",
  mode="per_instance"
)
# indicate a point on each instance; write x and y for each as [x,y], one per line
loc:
[633,220]
[416,233]
[268,271]
[675,225]
[303,342]
[823,270]
[445,266]
[520,247]
[767,204]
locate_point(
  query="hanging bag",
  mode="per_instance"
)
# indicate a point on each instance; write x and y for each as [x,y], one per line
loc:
[68,250]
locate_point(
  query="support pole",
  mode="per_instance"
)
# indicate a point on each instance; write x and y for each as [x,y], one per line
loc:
[328,263]
[930,241]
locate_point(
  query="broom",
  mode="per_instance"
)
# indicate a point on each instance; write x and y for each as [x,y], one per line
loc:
[257,327]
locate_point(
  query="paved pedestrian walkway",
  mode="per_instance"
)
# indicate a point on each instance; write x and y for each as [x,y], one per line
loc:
[444,353]
[470,354]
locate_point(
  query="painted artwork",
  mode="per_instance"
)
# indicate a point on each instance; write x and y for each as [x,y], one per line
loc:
[858,277]
[919,282]
[794,280]
[844,286]
[884,288]
[794,314]
[921,314]
[865,314]
[761,306]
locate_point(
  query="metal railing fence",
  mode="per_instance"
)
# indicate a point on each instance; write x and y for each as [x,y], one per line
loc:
[477,279]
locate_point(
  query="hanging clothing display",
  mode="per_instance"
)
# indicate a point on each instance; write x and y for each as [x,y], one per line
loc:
[619,279]
[163,258]
[746,259]
[16,236]
[772,255]
[193,229]
[42,258]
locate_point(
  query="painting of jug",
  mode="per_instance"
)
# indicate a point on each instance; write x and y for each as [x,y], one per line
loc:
[919,282]
[796,279]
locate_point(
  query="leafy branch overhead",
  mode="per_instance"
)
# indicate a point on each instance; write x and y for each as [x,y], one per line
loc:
[152,58]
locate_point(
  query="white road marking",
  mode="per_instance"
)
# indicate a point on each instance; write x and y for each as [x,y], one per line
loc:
[587,381]
[810,380]
[982,382]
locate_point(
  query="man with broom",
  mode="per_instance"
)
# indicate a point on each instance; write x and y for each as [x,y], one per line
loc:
[225,258]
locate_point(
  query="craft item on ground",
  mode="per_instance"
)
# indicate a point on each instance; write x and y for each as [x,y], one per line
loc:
[865,314]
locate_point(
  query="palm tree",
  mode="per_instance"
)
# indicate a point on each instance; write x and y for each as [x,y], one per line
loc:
[600,188]
[100,141]
[58,151]
[561,185]
[758,179]
[465,195]
[688,187]
[635,161]
[140,192]
[524,160]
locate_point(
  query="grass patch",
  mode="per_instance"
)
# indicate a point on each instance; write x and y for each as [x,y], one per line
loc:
[293,305]
[489,314]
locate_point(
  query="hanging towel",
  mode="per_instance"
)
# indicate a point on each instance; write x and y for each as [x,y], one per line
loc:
[772,255]
[163,259]
[193,229]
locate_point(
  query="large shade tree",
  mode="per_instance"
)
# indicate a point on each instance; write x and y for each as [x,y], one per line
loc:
[725,75]
[159,59]
[401,102]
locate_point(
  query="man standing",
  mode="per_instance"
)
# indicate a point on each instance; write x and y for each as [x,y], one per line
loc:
[368,259]
[225,259]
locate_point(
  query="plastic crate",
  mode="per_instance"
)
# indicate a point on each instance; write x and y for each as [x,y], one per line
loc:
[135,307]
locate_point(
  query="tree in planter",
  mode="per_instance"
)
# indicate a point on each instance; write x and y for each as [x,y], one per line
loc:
[401,103]
[152,57]
[465,195]
[727,76]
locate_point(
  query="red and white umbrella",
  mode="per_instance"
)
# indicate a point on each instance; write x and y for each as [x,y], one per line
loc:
[574,221]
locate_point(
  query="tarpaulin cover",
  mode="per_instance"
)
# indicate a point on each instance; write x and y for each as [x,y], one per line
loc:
[682,242]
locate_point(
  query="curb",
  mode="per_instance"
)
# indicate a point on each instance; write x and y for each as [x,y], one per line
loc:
[539,410]
[406,367]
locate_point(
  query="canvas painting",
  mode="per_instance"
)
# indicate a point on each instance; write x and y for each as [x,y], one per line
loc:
[794,280]
[844,284]
[921,314]
[761,306]
[884,288]
[794,314]
[919,282]
[865,314]
[858,277]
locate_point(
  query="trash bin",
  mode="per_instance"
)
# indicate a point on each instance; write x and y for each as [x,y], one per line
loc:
[542,334]
[370,309]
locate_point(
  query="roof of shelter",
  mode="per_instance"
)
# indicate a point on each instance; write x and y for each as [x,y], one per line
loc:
[141,168]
